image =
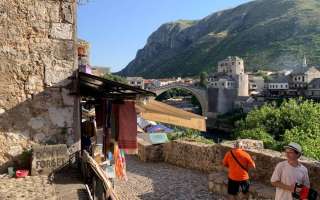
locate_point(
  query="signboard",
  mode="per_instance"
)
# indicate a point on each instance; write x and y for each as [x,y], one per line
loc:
[47,158]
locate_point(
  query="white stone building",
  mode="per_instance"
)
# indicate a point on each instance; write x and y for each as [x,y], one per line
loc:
[222,82]
[279,83]
[314,88]
[256,84]
[136,82]
[301,77]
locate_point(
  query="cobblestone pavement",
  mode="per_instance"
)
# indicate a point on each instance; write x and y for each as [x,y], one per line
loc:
[150,181]
[29,188]
[67,185]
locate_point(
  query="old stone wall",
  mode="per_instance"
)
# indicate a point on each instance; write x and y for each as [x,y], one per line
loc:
[221,100]
[208,158]
[37,57]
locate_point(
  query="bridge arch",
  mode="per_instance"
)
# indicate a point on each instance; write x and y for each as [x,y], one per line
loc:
[199,93]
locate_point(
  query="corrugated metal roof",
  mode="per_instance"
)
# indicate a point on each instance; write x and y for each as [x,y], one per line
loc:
[94,86]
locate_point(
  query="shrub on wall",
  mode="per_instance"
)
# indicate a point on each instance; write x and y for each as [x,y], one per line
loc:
[294,120]
[188,134]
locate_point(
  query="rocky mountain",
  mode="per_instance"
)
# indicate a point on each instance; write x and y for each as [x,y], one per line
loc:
[267,34]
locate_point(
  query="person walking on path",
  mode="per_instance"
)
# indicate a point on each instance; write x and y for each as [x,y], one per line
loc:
[238,163]
[289,172]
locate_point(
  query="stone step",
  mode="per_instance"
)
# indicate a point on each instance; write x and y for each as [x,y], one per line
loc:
[218,184]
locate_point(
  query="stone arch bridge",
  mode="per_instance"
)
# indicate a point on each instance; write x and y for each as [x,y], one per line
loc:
[200,93]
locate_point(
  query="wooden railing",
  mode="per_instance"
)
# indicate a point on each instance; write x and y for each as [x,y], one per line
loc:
[99,177]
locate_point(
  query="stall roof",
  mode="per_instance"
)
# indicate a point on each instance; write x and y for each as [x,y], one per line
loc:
[157,111]
[97,87]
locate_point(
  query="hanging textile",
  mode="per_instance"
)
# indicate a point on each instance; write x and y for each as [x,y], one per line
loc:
[89,128]
[120,163]
[126,124]
[99,115]
[114,122]
[106,115]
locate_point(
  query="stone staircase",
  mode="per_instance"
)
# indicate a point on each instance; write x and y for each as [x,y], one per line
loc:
[69,185]
[258,191]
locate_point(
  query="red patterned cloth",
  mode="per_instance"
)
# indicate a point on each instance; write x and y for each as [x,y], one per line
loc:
[126,124]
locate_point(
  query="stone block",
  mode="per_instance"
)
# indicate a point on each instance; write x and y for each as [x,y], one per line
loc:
[58,72]
[47,158]
[61,31]
[68,100]
[36,123]
[53,10]
[67,12]
[150,153]
[39,137]
[38,11]
[190,155]
[61,117]
[64,50]
[15,150]
[248,144]
[34,84]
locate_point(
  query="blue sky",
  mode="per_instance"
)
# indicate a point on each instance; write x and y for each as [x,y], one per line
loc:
[116,29]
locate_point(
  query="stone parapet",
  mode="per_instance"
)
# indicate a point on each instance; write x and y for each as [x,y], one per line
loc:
[218,184]
[190,155]
[150,153]
[208,158]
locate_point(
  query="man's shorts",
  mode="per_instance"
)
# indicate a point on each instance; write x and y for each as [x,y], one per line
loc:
[235,186]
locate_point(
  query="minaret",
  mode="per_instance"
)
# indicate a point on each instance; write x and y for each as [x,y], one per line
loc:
[304,64]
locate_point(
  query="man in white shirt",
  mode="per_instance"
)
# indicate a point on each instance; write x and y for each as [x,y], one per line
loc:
[289,172]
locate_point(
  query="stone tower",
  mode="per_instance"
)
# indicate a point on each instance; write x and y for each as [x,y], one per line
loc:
[232,65]
[38,59]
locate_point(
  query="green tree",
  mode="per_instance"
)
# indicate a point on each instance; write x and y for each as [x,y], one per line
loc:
[203,79]
[116,78]
[276,125]
[163,96]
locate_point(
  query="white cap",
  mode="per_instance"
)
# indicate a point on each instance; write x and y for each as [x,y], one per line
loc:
[294,146]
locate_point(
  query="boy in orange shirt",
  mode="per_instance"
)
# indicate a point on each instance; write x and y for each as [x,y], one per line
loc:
[238,162]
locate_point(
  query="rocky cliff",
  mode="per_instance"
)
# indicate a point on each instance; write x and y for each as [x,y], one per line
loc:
[268,34]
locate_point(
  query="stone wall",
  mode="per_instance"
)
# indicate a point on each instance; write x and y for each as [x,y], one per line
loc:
[37,57]
[221,100]
[208,158]
[150,153]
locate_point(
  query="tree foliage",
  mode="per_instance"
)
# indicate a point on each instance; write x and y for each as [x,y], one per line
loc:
[203,79]
[292,121]
[188,134]
[116,78]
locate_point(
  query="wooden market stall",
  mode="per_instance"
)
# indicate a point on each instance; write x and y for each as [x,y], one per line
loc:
[106,113]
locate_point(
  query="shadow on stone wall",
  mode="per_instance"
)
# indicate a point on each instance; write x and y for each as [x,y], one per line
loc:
[45,118]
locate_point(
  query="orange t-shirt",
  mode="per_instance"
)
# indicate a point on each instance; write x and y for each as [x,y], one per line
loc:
[236,173]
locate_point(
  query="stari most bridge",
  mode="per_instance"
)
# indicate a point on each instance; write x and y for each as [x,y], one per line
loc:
[199,93]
